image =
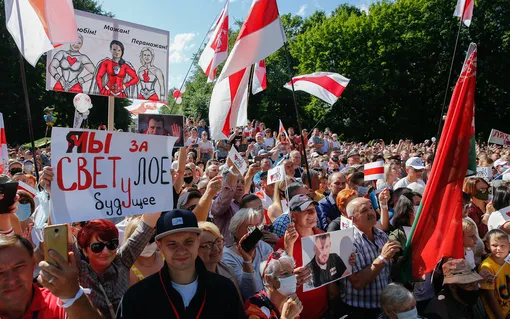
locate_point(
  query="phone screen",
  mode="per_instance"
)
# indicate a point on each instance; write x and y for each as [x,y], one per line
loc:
[249,243]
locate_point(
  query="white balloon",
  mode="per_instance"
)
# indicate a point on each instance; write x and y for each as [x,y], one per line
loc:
[82,102]
[178,100]
[433,140]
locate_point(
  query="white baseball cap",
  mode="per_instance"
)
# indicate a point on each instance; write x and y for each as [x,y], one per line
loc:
[500,162]
[415,162]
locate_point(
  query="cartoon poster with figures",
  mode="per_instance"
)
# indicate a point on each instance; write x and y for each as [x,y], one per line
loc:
[112,58]
[100,174]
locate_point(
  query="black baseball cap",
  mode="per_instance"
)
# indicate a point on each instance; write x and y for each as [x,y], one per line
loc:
[300,203]
[176,221]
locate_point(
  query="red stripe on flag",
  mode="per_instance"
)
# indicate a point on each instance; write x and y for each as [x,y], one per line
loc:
[466,6]
[373,171]
[3,138]
[325,82]
[233,81]
[39,8]
[263,13]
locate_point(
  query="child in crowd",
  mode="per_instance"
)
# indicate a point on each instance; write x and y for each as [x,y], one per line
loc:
[495,292]
[470,238]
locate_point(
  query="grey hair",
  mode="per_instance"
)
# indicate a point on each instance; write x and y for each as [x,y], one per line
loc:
[242,216]
[274,267]
[395,297]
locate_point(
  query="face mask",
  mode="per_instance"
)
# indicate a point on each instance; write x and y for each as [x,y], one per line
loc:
[503,169]
[23,212]
[411,314]
[324,165]
[482,196]
[149,250]
[188,180]
[28,167]
[468,296]
[288,285]
[362,191]
[15,171]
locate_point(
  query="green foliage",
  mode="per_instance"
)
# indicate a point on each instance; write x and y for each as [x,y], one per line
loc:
[11,92]
[398,57]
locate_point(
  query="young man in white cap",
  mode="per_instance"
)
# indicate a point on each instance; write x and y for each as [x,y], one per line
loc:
[414,169]
[183,288]
[501,166]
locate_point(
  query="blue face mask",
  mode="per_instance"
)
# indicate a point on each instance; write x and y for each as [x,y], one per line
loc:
[411,314]
[362,191]
[23,212]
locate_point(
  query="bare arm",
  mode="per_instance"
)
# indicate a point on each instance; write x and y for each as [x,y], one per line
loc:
[180,170]
[492,303]
[205,202]
[161,81]
[54,65]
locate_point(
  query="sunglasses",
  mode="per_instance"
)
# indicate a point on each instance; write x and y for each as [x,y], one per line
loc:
[98,247]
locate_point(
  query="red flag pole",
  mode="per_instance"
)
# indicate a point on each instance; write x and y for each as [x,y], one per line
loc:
[441,121]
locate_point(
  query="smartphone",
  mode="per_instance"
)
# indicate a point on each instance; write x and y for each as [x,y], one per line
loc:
[252,239]
[55,238]
[7,194]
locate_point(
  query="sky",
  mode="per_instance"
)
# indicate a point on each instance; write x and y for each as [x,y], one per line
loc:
[188,21]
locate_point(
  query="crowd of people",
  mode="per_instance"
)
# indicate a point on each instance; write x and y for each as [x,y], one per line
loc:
[198,259]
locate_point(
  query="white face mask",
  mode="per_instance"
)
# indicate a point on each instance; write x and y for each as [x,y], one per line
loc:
[411,314]
[288,285]
[149,250]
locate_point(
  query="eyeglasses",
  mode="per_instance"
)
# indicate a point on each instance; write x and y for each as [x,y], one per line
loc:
[209,245]
[98,247]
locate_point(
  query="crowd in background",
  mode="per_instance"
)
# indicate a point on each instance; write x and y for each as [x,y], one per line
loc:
[149,266]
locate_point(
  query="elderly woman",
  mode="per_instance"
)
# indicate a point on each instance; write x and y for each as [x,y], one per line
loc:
[397,302]
[277,299]
[478,189]
[246,264]
[150,260]
[211,252]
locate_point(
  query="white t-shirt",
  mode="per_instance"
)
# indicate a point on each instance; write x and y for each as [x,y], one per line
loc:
[404,182]
[205,146]
[187,292]
[269,142]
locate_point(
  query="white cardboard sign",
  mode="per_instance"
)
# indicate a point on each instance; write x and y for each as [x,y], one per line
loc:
[498,137]
[100,174]
[276,174]
[238,160]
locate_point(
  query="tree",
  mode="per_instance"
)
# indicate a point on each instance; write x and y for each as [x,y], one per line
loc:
[12,97]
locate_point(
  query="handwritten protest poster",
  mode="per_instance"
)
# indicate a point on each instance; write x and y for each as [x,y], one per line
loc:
[327,256]
[498,137]
[100,174]
[238,160]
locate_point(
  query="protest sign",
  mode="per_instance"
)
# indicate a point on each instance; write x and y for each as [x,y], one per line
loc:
[113,58]
[374,171]
[238,160]
[100,174]
[327,256]
[484,172]
[498,137]
[166,125]
[505,212]
[275,175]
[345,223]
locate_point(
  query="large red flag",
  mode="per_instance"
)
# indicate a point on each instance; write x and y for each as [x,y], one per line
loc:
[437,230]
[4,156]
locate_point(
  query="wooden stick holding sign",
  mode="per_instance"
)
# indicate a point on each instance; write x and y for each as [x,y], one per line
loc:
[111,113]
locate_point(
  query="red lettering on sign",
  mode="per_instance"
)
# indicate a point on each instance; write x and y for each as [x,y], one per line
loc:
[82,164]
[114,159]
[97,173]
[128,191]
[60,175]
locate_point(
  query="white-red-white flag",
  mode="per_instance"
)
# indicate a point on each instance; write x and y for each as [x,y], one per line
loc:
[4,155]
[259,82]
[464,10]
[40,26]
[228,104]
[216,50]
[261,35]
[27,188]
[282,130]
[374,171]
[327,86]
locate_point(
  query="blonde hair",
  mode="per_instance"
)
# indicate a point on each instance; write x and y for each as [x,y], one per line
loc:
[130,228]
[467,225]
[496,234]
[148,50]
[211,228]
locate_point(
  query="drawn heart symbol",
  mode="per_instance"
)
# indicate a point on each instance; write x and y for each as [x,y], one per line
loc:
[71,60]
[508,214]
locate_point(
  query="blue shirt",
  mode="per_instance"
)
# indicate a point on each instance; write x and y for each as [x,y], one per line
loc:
[327,211]
[280,224]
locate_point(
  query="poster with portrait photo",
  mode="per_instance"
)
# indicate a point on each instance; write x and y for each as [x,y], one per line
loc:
[162,124]
[327,256]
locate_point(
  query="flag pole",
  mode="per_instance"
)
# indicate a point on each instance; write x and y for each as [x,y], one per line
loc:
[287,54]
[441,121]
[29,115]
